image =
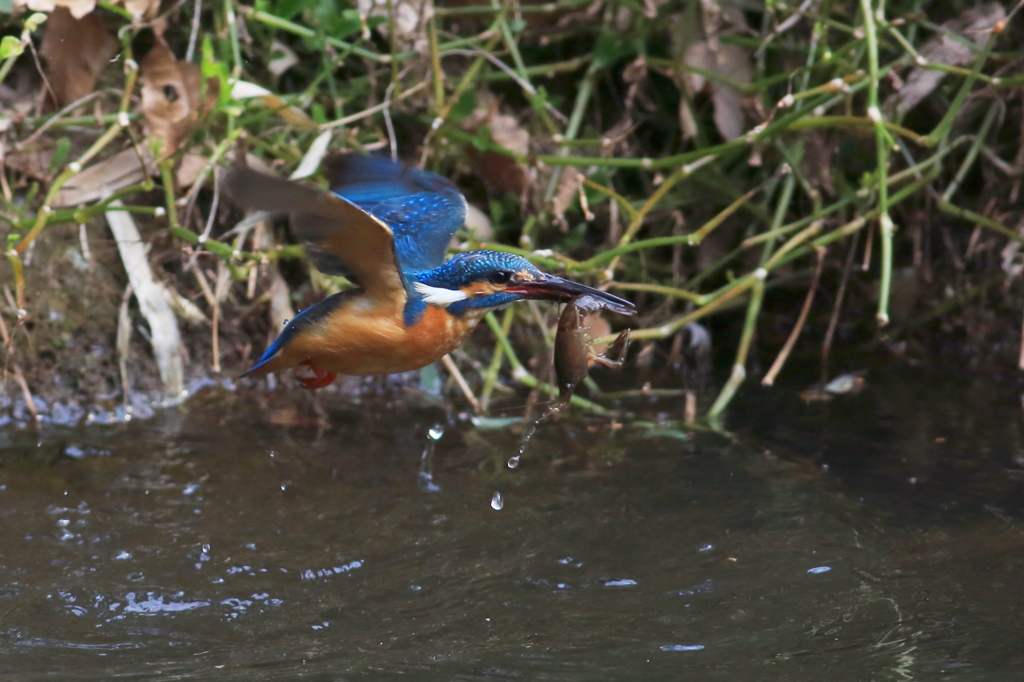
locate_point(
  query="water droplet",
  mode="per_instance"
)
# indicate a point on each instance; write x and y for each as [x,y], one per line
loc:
[513,461]
[497,501]
[436,432]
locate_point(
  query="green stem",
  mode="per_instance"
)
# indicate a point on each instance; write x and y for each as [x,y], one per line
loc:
[305,32]
[972,152]
[883,144]
[491,375]
[46,210]
[739,371]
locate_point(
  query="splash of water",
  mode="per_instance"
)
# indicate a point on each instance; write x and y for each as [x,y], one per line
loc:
[426,477]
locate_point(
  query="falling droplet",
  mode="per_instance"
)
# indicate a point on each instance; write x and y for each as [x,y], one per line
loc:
[436,432]
[513,461]
[497,502]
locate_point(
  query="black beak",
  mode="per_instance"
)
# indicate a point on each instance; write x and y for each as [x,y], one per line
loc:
[551,287]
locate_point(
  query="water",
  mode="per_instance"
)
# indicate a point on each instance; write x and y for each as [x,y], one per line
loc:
[874,538]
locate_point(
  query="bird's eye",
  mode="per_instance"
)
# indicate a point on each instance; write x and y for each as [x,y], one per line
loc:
[501,277]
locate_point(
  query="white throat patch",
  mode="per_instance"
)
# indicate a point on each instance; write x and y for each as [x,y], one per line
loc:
[439,295]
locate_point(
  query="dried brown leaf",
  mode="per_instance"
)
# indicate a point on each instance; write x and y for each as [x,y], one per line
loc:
[282,58]
[19,93]
[565,194]
[816,162]
[107,176]
[189,169]
[172,98]
[76,51]
[33,162]
[974,25]
[78,8]
[410,19]
[729,117]
[499,170]
[733,63]
[142,9]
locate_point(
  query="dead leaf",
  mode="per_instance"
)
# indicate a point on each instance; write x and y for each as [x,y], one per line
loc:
[974,25]
[846,384]
[172,99]
[731,62]
[497,169]
[189,169]
[78,8]
[565,194]
[291,115]
[142,9]
[33,162]
[76,51]
[111,174]
[729,117]
[19,93]
[282,58]
[816,162]
[411,17]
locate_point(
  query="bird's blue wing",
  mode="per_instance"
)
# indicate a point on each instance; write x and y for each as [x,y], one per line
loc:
[340,237]
[422,208]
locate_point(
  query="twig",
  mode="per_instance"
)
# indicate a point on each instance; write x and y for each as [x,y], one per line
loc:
[460,380]
[787,348]
[833,322]
[30,402]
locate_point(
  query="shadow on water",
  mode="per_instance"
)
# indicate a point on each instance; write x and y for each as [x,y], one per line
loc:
[872,538]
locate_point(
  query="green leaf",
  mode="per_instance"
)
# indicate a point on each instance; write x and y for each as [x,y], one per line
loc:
[60,153]
[211,68]
[464,107]
[341,24]
[610,48]
[10,46]
[318,113]
[34,21]
[286,9]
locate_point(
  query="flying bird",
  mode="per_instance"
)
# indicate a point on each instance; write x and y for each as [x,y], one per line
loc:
[386,227]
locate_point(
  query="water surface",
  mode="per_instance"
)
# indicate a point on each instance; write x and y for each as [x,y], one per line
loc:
[871,538]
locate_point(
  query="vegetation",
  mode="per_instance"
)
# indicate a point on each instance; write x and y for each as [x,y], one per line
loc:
[843,170]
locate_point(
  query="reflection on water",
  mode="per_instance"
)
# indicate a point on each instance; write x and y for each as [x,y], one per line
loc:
[867,539]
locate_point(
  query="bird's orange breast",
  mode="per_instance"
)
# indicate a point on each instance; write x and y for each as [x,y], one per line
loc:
[363,338]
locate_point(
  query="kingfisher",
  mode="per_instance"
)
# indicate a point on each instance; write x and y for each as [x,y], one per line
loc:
[386,227]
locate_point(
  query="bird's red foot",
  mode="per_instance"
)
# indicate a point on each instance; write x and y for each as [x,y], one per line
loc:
[311,377]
